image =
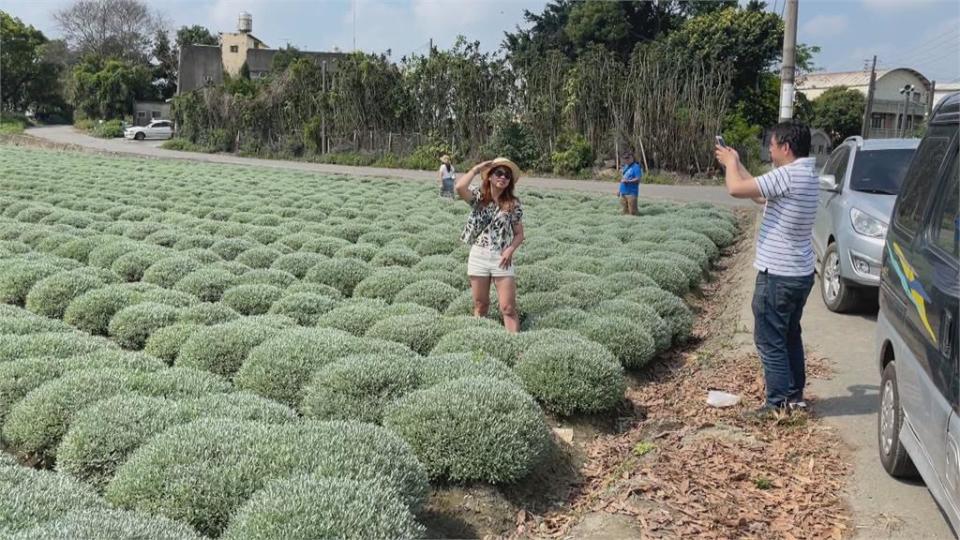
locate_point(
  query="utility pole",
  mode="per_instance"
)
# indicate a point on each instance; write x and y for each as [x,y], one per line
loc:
[788,71]
[906,91]
[868,110]
[933,88]
[353,8]
[430,49]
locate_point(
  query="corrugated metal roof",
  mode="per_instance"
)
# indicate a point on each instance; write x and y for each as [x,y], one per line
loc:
[843,78]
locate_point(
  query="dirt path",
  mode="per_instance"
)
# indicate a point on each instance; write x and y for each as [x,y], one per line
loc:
[68,135]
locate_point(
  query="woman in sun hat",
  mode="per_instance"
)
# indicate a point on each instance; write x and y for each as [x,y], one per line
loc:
[493,231]
[447,176]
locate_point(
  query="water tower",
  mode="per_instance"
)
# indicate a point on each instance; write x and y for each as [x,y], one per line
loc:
[245,24]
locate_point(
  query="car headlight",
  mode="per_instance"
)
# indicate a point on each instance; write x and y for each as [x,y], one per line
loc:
[867,225]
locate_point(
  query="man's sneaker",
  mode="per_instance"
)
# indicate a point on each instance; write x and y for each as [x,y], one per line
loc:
[765,413]
[797,405]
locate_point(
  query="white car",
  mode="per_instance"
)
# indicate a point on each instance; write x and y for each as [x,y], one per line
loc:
[157,129]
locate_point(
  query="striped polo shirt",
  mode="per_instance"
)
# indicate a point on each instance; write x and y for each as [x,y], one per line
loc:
[784,244]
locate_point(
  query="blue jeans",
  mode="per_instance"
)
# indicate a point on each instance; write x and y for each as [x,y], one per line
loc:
[777,307]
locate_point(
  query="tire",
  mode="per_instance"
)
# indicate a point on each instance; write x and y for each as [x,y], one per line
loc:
[838,295]
[140,136]
[893,455]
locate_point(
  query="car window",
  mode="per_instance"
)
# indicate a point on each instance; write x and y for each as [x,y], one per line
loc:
[831,166]
[841,166]
[880,171]
[946,222]
[921,174]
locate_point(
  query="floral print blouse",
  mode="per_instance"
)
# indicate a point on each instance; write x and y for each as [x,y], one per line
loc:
[488,226]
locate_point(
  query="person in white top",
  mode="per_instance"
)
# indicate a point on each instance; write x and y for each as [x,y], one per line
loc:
[784,258]
[447,176]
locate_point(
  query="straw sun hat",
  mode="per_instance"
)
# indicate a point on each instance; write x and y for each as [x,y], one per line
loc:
[503,162]
[445,159]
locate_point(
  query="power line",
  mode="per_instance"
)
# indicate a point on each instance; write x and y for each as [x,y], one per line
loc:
[927,46]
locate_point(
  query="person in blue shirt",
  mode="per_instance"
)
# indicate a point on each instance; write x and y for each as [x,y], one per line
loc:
[630,184]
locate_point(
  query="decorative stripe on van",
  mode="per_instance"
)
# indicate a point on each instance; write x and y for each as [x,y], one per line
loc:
[911,285]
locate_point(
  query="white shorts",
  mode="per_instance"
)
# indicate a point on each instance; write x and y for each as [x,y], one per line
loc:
[485,262]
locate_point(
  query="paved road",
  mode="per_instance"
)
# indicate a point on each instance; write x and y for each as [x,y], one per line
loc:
[883,507]
[68,135]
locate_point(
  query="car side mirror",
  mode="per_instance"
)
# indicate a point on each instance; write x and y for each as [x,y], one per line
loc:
[828,182]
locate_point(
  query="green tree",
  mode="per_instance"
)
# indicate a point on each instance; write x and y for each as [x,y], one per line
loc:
[119,29]
[601,23]
[839,112]
[165,66]
[30,80]
[747,40]
[284,57]
[108,89]
[195,35]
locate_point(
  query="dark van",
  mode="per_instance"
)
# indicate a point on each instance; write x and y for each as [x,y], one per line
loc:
[919,418]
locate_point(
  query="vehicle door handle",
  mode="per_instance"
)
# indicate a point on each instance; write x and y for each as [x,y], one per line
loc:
[947,331]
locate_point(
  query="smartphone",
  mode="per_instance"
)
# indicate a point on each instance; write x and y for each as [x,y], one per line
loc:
[720,141]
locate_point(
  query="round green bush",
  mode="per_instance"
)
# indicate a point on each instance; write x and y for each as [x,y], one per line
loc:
[355,318]
[439,368]
[229,248]
[30,325]
[267,276]
[306,507]
[29,498]
[108,524]
[251,299]
[666,274]
[463,305]
[203,255]
[105,255]
[428,292]
[363,251]
[358,387]
[165,343]
[103,435]
[538,304]
[207,313]
[324,245]
[670,307]
[79,249]
[222,348]
[36,423]
[571,377]
[232,267]
[396,255]
[298,263]
[439,262]
[56,344]
[92,310]
[258,257]
[51,295]
[305,308]
[472,429]
[168,297]
[625,281]
[279,367]
[132,325]
[565,319]
[313,288]
[341,274]
[457,280]
[436,244]
[201,473]
[495,342]
[689,250]
[18,276]
[587,293]
[207,284]
[420,332]
[131,266]
[641,314]
[385,283]
[688,267]
[19,377]
[628,340]
[167,272]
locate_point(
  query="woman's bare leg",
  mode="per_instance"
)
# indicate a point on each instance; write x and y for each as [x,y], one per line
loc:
[480,287]
[507,297]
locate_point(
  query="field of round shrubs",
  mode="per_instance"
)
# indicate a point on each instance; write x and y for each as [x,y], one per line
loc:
[192,350]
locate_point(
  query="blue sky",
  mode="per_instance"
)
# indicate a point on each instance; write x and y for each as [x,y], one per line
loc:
[923,34]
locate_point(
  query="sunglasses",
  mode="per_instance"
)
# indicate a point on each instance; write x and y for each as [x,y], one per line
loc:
[502,173]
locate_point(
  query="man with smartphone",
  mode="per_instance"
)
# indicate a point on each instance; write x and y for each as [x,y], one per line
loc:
[784,258]
[630,184]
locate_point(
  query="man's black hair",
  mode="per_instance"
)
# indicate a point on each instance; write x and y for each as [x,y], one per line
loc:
[796,135]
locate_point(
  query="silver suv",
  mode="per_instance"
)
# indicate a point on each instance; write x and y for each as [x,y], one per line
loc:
[858,186]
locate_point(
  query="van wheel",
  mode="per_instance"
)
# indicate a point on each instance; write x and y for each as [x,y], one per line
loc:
[139,136]
[838,296]
[894,457]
